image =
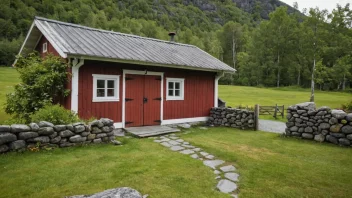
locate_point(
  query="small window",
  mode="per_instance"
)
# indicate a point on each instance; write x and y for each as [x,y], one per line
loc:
[175,89]
[105,88]
[45,47]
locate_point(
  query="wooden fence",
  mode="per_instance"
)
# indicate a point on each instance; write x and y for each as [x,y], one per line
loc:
[272,110]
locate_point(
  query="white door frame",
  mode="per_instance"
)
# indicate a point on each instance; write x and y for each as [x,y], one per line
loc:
[141,72]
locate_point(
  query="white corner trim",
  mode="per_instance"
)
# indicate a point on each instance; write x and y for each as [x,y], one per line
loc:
[182,88]
[184,120]
[104,77]
[118,125]
[216,88]
[76,64]
[139,72]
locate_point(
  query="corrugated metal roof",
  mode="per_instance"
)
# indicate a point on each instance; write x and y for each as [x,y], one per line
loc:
[72,39]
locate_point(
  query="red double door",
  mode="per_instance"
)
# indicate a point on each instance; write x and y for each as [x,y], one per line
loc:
[142,100]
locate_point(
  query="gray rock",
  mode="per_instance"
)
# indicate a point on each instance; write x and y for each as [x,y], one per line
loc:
[67,144]
[307,136]
[4,148]
[45,131]
[16,145]
[34,126]
[296,134]
[77,124]
[298,120]
[187,152]
[66,133]
[319,138]
[226,186]
[177,148]
[5,128]
[55,140]
[7,137]
[101,135]
[344,142]
[339,114]
[70,127]
[16,128]
[331,139]
[346,129]
[321,113]
[115,142]
[45,124]
[210,157]
[333,121]
[308,130]
[348,118]
[59,128]
[53,135]
[324,108]
[166,144]
[300,130]
[118,132]
[109,134]
[97,123]
[301,111]
[349,136]
[79,128]
[213,163]
[105,129]
[290,124]
[41,139]
[194,156]
[306,106]
[336,128]
[172,142]
[96,130]
[96,141]
[197,149]
[324,126]
[91,136]
[228,168]
[232,176]
[27,135]
[107,122]
[338,135]
[77,138]
[124,192]
[85,134]
[185,126]
[294,129]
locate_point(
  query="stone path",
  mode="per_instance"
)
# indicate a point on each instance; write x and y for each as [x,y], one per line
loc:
[225,174]
[272,126]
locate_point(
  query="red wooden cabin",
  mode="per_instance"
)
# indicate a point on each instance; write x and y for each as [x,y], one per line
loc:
[133,80]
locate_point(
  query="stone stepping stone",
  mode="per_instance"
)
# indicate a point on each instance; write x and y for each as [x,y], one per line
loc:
[179,140]
[210,157]
[217,177]
[189,146]
[166,144]
[204,153]
[232,176]
[228,168]
[234,196]
[213,163]
[194,156]
[185,142]
[173,137]
[197,149]
[216,172]
[173,142]
[187,152]
[226,186]
[165,139]
[177,148]
[203,128]
[157,141]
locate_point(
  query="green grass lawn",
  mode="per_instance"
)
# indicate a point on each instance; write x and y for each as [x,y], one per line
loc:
[8,78]
[269,166]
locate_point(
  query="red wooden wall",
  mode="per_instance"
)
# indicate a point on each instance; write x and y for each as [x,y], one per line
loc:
[50,48]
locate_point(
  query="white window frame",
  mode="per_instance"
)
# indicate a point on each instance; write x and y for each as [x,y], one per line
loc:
[182,88]
[116,78]
[45,47]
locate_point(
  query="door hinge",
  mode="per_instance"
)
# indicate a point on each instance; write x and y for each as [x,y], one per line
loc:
[158,78]
[159,121]
[128,122]
[157,99]
[128,78]
[128,99]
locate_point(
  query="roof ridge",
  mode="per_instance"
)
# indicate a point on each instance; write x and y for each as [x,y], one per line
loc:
[107,31]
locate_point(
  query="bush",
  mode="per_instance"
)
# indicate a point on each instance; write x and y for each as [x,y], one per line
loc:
[43,80]
[55,114]
[347,107]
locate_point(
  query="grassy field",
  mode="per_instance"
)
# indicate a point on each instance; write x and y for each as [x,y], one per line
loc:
[269,166]
[8,78]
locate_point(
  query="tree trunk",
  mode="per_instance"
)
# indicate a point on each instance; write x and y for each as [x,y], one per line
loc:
[312,82]
[299,77]
[344,82]
[278,69]
[234,50]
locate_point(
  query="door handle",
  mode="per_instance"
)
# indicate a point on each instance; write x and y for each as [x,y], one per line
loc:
[145,100]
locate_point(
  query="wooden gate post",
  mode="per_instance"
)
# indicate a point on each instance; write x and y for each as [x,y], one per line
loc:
[256,117]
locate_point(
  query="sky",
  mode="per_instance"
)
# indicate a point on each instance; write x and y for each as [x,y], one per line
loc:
[321,4]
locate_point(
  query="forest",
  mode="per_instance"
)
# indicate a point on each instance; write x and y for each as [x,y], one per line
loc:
[287,49]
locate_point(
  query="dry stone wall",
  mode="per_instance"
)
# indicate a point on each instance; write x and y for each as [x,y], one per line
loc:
[322,124]
[229,117]
[20,137]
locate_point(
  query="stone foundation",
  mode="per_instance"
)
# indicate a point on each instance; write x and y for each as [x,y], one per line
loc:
[44,134]
[322,125]
[236,118]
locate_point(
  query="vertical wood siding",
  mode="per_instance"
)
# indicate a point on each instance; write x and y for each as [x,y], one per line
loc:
[50,48]
[152,107]
[134,108]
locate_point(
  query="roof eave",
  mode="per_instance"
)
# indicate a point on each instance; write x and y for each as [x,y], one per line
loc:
[138,62]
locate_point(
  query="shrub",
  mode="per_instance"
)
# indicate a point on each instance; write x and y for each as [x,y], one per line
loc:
[347,107]
[55,114]
[42,81]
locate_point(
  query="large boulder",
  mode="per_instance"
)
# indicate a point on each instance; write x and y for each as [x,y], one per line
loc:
[123,192]
[344,142]
[349,117]
[45,131]
[66,133]
[319,138]
[339,114]
[96,123]
[79,128]
[347,129]
[59,128]
[332,139]
[7,137]
[3,148]
[324,125]
[307,136]
[310,106]
[77,138]
[18,144]
[107,122]
[336,128]
[45,124]
[27,135]
[34,127]
[16,128]
[5,128]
